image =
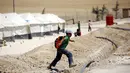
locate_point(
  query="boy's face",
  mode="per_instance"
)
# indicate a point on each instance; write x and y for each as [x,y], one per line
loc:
[69,34]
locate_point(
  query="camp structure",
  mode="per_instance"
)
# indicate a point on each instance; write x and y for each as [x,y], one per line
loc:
[13,26]
[50,22]
[34,26]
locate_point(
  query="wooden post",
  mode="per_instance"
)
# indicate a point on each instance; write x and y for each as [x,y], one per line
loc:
[13,5]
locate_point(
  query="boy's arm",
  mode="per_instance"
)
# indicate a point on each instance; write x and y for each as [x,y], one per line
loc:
[72,40]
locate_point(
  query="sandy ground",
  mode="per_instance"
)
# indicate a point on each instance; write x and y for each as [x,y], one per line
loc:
[108,47]
[25,45]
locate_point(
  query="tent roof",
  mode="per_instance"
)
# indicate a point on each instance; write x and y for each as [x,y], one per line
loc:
[1,26]
[29,18]
[53,18]
[14,18]
[48,18]
[6,22]
[39,17]
[36,14]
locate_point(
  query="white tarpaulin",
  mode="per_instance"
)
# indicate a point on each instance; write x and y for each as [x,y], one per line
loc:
[15,18]
[8,25]
[1,28]
[45,27]
[17,23]
[54,20]
[34,24]
[49,20]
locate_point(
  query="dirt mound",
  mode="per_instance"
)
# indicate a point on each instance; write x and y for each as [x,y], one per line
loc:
[97,45]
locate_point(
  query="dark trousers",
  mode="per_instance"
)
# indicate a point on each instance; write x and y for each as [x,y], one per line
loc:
[89,28]
[59,55]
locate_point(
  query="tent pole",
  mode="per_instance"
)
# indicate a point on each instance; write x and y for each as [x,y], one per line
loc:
[13,5]
[43,33]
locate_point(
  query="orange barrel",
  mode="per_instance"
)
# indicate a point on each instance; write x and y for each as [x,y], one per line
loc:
[109,20]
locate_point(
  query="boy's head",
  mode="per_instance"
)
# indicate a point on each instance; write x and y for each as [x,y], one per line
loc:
[69,33]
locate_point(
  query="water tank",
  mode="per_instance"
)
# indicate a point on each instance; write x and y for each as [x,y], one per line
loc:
[109,20]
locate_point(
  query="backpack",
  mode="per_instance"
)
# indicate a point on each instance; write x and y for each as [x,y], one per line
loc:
[57,41]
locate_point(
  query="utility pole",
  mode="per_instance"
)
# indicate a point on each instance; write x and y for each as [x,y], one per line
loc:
[13,5]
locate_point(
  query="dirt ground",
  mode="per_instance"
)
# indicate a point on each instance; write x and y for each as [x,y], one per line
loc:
[107,46]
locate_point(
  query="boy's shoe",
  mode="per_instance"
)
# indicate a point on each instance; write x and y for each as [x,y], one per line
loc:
[49,67]
[72,65]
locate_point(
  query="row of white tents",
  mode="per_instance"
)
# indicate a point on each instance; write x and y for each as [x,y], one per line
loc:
[13,24]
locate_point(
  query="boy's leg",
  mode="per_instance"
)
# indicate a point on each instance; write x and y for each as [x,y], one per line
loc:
[57,58]
[89,29]
[70,57]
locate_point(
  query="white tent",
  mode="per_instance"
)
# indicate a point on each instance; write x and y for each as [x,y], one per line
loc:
[34,24]
[17,23]
[50,21]
[54,20]
[8,25]
[12,24]
[1,28]
[46,26]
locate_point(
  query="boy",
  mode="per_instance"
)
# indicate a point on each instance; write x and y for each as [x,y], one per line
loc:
[61,50]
